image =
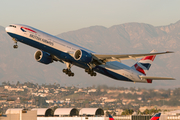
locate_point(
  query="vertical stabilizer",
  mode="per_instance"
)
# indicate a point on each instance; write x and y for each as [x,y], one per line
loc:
[156,116]
[145,63]
[110,117]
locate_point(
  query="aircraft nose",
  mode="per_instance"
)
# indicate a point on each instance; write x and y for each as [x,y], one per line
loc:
[7,29]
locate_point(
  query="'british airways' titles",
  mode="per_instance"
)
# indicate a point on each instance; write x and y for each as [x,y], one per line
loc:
[40,39]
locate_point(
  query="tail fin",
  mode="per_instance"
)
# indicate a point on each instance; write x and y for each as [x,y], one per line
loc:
[145,63]
[110,117]
[156,116]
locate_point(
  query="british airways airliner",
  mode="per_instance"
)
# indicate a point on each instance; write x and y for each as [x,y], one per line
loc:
[52,48]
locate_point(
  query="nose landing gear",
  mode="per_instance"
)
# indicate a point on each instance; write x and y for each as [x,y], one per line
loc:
[15,46]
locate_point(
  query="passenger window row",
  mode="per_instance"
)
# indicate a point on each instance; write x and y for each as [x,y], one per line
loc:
[12,26]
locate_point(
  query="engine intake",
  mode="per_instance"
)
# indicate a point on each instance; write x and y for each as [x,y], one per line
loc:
[82,56]
[43,57]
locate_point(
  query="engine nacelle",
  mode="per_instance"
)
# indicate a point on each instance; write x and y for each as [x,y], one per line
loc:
[82,56]
[43,57]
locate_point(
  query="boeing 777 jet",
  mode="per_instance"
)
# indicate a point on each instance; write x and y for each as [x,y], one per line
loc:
[52,48]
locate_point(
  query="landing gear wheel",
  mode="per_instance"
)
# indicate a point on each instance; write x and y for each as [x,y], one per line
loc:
[64,70]
[94,74]
[15,46]
[91,72]
[68,72]
[72,74]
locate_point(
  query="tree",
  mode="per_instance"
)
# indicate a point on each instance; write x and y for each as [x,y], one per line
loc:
[4,83]
[41,101]
[107,112]
[146,111]
[127,112]
[17,83]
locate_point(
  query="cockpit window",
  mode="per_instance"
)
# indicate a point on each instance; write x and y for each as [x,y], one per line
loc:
[12,26]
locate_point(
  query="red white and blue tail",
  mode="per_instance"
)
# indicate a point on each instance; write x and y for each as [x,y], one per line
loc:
[145,63]
[110,117]
[156,116]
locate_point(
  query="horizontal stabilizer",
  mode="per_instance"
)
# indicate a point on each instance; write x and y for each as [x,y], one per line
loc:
[156,78]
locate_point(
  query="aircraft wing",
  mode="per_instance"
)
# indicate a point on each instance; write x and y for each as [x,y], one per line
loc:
[106,58]
[156,78]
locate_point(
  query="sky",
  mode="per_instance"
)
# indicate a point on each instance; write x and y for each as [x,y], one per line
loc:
[58,16]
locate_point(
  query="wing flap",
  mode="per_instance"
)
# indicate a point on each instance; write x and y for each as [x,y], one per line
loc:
[157,78]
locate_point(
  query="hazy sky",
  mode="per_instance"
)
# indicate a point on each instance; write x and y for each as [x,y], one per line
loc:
[57,16]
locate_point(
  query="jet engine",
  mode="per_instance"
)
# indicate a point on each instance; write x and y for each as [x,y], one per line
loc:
[43,57]
[82,56]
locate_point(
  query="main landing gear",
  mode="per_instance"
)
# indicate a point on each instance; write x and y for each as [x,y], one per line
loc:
[68,70]
[91,72]
[70,73]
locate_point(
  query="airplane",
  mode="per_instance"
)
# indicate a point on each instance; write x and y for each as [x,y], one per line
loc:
[155,117]
[52,48]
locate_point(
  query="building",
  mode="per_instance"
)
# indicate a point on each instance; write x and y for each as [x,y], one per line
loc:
[66,112]
[44,112]
[75,114]
[49,114]
[19,114]
[91,112]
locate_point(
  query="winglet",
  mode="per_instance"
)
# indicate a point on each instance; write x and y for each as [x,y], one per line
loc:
[169,51]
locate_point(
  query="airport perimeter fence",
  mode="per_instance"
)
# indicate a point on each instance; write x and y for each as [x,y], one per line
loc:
[146,117]
[133,117]
[173,118]
[141,117]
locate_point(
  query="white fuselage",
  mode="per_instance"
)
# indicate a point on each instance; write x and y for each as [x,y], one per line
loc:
[64,50]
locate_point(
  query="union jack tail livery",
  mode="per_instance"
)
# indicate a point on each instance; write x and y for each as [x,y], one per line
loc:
[110,117]
[145,63]
[156,116]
